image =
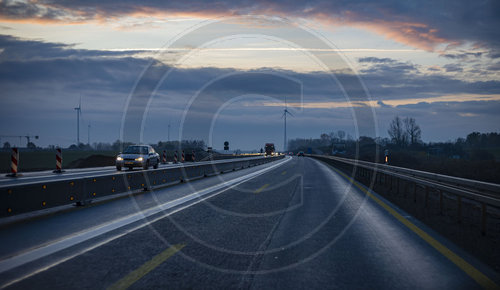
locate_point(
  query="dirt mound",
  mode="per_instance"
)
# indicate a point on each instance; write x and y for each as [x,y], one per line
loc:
[93,161]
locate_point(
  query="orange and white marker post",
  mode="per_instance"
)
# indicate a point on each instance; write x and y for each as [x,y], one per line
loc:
[193,157]
[183,158]
[175,157]
[58,161]
[164,159]
[14,162]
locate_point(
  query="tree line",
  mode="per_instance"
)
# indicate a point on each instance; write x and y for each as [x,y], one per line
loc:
[120,145]
[474,156]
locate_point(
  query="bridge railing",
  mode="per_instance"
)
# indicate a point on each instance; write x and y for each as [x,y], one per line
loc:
[484,193]
[32,196]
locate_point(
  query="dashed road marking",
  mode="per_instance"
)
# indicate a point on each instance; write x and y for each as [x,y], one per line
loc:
[262,188]
[147,267]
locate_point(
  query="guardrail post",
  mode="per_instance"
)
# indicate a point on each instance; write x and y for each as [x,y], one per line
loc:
[459,209]
[415,192]
[440,202]
[390,183]
[483,219]
[426,196]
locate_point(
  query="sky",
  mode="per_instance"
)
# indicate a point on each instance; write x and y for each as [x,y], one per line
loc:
[147,71]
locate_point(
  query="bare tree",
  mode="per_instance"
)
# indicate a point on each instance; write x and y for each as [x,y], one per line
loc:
[341,134]
[325,139]
[397,133]
[412,130]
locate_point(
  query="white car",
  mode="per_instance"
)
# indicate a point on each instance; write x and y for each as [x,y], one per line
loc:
[138,156]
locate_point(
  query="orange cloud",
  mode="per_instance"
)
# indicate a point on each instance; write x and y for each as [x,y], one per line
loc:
[398,28]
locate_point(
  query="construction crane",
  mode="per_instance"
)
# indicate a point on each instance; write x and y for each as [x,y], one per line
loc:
[20,137]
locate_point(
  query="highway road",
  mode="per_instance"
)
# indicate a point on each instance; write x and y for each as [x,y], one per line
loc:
[292,223]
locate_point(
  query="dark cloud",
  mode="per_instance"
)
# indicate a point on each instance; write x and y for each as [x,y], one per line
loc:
[453,68]
[376,60]
[387,66]
[494,54]
[384,105]
[463,56]
[494,67]
[423,24]
[31,62]
[44,81]
[15,49]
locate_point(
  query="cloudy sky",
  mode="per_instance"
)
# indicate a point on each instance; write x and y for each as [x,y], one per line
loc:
[221,71]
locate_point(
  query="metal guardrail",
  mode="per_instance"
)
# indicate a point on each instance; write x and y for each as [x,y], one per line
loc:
[28,197]
[486,194]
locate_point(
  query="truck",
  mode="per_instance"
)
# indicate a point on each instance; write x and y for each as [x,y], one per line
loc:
[269,148]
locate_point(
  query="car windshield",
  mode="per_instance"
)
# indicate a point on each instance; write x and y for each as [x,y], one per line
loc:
[136,150]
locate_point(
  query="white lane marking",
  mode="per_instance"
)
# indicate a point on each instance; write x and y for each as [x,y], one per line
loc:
[35,254]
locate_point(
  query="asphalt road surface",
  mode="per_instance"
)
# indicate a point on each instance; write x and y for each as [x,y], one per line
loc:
[294,223]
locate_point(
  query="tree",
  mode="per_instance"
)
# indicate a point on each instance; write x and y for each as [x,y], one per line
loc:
[474,140]
[6,145]
[397,133]
[341,134]
[413,131]
[333,136]
[325,139]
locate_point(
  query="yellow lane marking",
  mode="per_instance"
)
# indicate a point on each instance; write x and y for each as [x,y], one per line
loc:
[147,267]
[283,173]
[474,273]
[262,188]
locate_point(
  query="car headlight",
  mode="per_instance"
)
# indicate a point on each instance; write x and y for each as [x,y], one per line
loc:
[119,158]
[139,159]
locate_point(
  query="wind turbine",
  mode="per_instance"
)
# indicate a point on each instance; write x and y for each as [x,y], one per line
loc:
[285,111]
[88,134]
[168,131]
[78,114]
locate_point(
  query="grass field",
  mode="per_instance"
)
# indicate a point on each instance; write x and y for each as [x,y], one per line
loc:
[43,160]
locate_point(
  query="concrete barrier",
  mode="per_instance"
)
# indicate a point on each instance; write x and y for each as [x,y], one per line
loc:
[16,199]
